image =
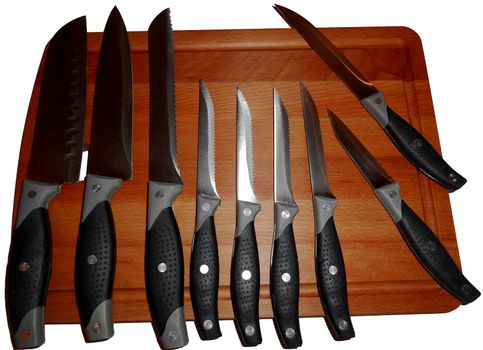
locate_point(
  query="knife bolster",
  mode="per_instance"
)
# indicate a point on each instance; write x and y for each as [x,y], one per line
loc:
[284,216]
[323,210]
[391,200]
[161,195]
[376,105]
[205,207]
[245,213]
[102,315]
[98,189]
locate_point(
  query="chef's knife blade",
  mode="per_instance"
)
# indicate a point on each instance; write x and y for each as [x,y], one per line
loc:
[329,260]
[423,243]
[164,265]
[54,159]
[109,163]
[408,140]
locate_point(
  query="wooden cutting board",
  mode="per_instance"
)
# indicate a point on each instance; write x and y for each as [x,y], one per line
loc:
[383,276]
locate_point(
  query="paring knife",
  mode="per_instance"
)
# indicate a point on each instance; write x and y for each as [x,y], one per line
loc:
[55,159]
[245,265]
[204,266]
[109,163]
[329,260]
[284,266]
[408,140]
[163,264]
[423,243]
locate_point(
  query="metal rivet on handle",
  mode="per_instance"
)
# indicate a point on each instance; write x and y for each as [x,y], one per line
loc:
[286,277]
[378,100]
[326,206]
[25,335]
[162,267]
[343,325]
[208,324]
[32,194]
[91,259]
[24,266]
[97,327]
[290,333]
[246,275]
[285,214]
[431,246]
[418,143]
[172,335]
[159,194]
[393,194]
[249,330]
[205,206]
[204,269]
[247,212]
[333,270]
[96,188]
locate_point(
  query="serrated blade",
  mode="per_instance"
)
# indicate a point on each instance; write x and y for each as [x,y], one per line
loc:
[163,165]
[110,150]
[367,164]
[332,56]
[59,128]
[244,154]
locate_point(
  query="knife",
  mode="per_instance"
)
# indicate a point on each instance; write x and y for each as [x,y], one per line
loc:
[163,264]
[55,159]
[329,260]
[245,266]
[284,266]
[423,243]
[109,164]
[407,139]
[204,266]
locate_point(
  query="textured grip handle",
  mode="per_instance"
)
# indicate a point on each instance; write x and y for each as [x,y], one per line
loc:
[434,257]
[331,282]
[284,289]
[245,286]
[94,272]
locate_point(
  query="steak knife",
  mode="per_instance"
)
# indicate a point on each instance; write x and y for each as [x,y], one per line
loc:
[109,164]
[163,264]
[284,266]
[245,265]
[329,260]
[55,159]
[423,243]
[204,266]
[407,139]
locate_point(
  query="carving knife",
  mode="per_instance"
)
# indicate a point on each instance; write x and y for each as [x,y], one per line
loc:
[329,260]
[109,164]
[423,243]
[204,266]
[55,159]
[164,265]
[284,266]
[245,265]
[408,140]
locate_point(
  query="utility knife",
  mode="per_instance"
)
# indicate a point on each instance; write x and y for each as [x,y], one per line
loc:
[204,265]
[245,265]
[284,265]
[163,263]
[55,159]
[423,243]
[109,164]
[407,139]
[329,260]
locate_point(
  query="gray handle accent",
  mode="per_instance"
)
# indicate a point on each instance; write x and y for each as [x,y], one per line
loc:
[391,200]
[377,106]
[284,216]
[34,319]
[205,207]
[100,326]
[175,334]
[323,211]
[245,213]
[161,195]
[98,189]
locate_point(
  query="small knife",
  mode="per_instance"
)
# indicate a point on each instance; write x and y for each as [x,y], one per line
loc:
[55,159]
[109,164]
[245,266]
[284,266]
[423,243]
[204,266]
[408,140]
[329,260]
[163,264]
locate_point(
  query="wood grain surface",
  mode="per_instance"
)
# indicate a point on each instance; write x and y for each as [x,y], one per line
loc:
[383,276]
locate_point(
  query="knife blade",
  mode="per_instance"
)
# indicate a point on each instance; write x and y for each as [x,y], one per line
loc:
[284,266]
[109,164]
[410,142]
[164,265]
[55,159]
[245,265]
[204,264]
[329,260]
[423,243]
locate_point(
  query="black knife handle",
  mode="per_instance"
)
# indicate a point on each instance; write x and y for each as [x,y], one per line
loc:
[331,282]
[431,253]
[284,289]
[245,286]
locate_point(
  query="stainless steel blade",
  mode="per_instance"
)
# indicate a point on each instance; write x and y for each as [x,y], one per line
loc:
[110,150]
[59,128]
[163,165]
[334,58]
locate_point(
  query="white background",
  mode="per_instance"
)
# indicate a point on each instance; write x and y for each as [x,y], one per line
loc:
[451,33]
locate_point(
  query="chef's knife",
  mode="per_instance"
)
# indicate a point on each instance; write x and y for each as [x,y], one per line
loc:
[54,159]
[408,140]
[204,267]
[109,163]
[423,243]
[163,264]
[329,260]
[284,266]
[245,266]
